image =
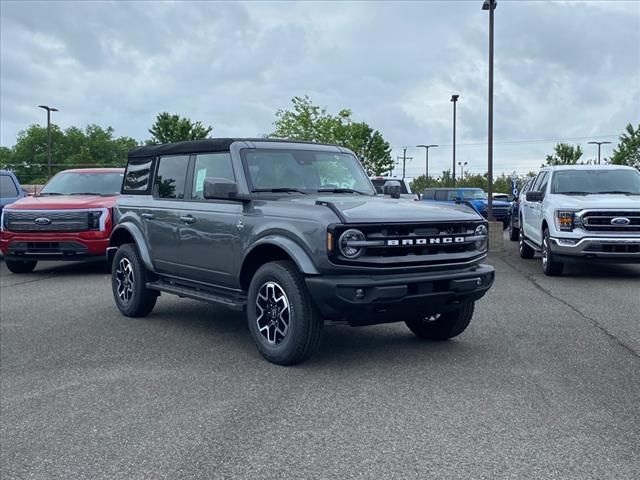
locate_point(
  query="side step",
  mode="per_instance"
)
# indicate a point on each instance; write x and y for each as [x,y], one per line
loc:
[535,247]
[236,301]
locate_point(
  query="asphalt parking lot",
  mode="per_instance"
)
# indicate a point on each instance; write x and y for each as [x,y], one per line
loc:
[544,384]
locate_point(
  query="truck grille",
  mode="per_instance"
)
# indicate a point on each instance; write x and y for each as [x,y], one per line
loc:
[605,221]
[415,244]
[46,221]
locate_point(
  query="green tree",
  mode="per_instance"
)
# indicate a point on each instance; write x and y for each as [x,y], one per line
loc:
[564,154]
[172,128]
[628,150]
[309,122]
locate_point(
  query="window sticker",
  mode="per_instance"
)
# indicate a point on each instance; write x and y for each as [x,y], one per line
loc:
[200,176]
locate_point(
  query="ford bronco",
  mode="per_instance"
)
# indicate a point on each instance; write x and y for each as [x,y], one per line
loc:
[294,234]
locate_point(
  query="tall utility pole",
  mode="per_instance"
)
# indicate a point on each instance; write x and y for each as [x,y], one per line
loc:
[454,99]
[599,145]
[49,110]
[404,161]
[491,6]
[426,149]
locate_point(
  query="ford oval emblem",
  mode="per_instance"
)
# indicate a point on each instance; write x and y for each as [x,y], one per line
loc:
[42,221]
[620,221]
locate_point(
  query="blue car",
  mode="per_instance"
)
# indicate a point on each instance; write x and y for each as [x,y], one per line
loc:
[475,198]
[10,189]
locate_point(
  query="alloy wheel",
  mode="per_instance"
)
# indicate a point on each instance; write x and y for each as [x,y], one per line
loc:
[125,280]
[545,252]
[273,313]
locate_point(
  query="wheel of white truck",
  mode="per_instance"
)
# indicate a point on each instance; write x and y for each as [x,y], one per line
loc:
[549,266]
[21,266]
[129,283]
[442,326]
[284,323]
[525,250]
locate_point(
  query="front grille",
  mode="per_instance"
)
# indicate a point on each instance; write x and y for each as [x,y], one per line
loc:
[415,244]
[601,221]
[46,221]
[613,248]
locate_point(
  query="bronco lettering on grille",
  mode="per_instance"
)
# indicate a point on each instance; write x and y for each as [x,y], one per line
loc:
[425,241]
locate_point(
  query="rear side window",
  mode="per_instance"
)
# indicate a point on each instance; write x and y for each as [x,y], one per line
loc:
[8,189]
[137,178]
[441,195]
[210,165]
[429,194]
[171,176]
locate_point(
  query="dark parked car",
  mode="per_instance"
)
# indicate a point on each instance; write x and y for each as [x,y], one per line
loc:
[10,189]
[514,223]
[293,234]
[475,198]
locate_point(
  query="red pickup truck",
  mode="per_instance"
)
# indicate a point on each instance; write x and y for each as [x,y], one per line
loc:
[70,219]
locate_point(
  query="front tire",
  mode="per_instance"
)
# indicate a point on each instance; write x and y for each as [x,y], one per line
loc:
[284,323]
[129,283]
[21,266]
[442,326]
[525,250]
[549,265]
[514,233]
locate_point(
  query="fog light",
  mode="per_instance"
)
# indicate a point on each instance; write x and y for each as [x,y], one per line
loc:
[359,293]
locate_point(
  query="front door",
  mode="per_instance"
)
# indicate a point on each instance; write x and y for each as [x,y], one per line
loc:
[209,231]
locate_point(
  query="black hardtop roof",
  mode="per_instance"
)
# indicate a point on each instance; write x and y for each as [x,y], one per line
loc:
[209,145]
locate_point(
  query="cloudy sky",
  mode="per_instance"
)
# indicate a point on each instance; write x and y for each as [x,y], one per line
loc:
[564,70]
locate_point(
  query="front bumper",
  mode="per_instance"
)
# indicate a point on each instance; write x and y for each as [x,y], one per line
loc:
[367,300]
[52,246]
[613,249]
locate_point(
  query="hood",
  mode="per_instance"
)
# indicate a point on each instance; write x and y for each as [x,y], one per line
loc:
[380,209]
[612,201]
[63,202]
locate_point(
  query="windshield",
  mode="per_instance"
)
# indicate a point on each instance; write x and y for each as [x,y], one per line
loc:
[78,183]
[378,183]
[596,181]
[475,194]
[304,171]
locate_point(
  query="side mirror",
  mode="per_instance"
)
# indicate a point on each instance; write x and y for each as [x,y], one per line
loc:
[534,196]
[391,187]
[219,188]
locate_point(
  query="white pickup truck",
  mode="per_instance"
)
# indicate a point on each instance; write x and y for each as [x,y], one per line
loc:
[582,212]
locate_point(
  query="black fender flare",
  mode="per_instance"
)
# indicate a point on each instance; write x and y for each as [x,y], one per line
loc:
[134,231]
[292,248]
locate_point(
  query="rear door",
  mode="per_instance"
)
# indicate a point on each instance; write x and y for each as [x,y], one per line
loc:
[209,233]
[162,218]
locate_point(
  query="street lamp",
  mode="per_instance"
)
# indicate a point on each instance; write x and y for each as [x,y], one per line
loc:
[490,5]
[599,144]
[462,165]
[49,110]
[454,99]
[426,149]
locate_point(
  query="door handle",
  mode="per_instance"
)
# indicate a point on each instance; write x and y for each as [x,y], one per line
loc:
[147,216]
[188,219]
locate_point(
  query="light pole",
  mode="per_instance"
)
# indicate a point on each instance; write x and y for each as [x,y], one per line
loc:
[49,110]
[426,150]
[454,99]
[599,145]
[491,6]
[462,165]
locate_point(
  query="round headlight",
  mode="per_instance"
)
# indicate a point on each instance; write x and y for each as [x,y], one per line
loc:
[351,235]
[481,230]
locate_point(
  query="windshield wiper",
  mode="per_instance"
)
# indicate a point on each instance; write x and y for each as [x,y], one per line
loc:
[50,193]
[574,193]
[278,190]
[340,190]
[618,191]
[86,193]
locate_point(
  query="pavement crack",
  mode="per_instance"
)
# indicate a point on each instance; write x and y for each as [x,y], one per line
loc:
[531,277]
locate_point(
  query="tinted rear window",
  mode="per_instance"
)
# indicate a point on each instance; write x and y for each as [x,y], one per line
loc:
[8,189]
[138,177]
[172,176]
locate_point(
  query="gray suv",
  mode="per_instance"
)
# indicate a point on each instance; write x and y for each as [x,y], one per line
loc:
[294,234]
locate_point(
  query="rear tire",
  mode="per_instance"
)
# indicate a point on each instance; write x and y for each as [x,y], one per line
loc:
[21,266]
[129,283]
[283,320]
[549,265]
[514,233]
[444,326]
[525,250]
